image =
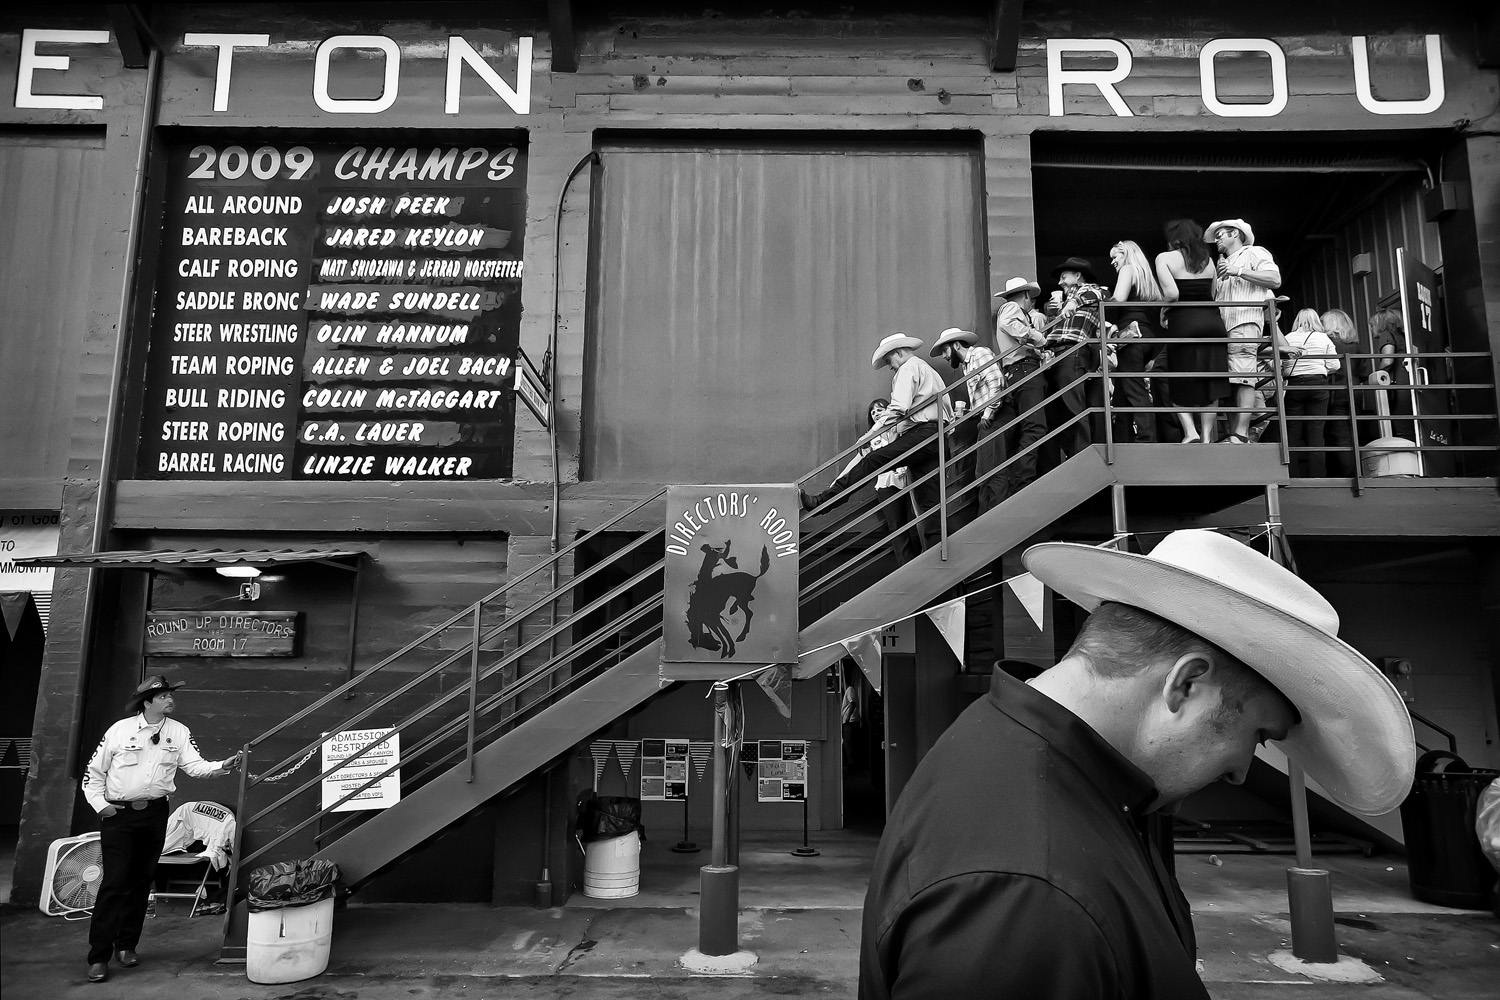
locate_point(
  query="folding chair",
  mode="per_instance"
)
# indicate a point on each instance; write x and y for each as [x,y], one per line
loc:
[192,822]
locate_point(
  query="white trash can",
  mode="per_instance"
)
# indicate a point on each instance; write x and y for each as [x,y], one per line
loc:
[289,944]
[612,868]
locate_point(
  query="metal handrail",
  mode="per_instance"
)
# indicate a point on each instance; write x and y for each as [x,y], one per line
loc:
[826,545]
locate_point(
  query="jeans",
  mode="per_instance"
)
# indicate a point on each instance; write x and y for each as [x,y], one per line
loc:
[1023,396]
[1307,395]
[920,462]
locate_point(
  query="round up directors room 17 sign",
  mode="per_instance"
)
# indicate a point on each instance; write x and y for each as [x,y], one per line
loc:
[731,574]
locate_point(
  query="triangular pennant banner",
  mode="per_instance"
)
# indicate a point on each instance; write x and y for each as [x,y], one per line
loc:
[949,619]
[13,608]
[749,766]
[776,682]
[865,649]
[629,751]
[1032,595]
[600,752]
[43,608]
[699,753]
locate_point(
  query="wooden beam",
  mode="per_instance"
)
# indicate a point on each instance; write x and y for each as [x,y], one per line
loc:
[564,41]
[135,47]
[1005,35]
[1487,36]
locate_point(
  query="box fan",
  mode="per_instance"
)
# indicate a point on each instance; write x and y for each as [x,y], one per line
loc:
[75,867]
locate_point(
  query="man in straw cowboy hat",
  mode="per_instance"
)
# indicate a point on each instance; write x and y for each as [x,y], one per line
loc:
[1016,862]
[963,352]
[916,401]
[1246,273]
[127,782]
[1020,344]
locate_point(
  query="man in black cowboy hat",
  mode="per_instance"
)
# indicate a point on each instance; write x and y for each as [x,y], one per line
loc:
[1073,312]
[127,782]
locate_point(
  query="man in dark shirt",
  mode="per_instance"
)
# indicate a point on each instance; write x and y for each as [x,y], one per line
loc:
[1017,862]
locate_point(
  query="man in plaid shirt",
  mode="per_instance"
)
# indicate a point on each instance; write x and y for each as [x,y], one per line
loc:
[1074,314]
[961,349]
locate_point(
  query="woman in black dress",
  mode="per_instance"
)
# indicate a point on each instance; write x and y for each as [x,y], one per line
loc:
[1186,273]
[1135,283]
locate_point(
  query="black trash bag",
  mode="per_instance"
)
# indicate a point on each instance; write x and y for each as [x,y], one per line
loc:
[291,883]
[601,817]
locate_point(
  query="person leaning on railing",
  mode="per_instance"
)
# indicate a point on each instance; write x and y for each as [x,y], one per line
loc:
[1073,311]
[1387,339]
[1021,345]
[1340,330]
[1135,283]
[1307,392]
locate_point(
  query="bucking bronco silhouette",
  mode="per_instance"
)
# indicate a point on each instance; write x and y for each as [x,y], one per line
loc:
[713,598]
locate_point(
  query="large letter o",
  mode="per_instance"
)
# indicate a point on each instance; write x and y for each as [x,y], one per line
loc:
[1271,108]
[356,107]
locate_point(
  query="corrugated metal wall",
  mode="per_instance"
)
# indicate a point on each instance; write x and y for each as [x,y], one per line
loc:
[48,190]
[737,294]
[1326,279]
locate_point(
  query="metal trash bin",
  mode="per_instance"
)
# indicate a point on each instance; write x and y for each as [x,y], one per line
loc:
[1444,862]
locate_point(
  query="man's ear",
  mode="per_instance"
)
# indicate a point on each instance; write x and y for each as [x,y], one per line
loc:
[1184,679]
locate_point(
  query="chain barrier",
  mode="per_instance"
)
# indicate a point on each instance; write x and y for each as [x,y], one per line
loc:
[283,774]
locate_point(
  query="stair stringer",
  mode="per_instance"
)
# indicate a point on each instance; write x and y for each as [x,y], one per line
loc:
[428,810]
[970,549]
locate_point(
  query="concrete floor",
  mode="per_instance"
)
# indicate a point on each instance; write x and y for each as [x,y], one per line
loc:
[799,915]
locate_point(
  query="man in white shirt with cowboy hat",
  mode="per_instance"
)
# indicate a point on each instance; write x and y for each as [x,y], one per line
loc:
[1017,861]
[1247,273]
[127,782]
[916,400]
[1020,344]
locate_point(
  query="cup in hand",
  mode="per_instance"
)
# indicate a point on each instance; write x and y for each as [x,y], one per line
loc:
[1057,297]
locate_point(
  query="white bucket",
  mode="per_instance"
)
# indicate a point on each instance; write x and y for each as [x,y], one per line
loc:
[612,868]
[289,944]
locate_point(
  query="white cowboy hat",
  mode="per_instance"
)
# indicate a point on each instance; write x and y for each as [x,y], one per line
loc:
[1211,235]
[894,342]
[1014,285]
[1355,737]
[952,335]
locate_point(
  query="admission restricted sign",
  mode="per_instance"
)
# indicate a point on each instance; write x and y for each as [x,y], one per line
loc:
[731,574]
[355,772]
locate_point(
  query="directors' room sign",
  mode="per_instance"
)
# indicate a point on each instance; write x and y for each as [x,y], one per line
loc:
[223,633]
[731,574]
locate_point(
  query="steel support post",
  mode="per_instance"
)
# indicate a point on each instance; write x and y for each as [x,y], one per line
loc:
[719,883]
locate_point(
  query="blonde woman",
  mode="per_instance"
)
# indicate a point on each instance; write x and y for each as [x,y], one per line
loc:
[1336,432]
[1307,392]
[1135,283]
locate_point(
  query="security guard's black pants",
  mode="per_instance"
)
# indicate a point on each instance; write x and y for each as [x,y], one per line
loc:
[131,842]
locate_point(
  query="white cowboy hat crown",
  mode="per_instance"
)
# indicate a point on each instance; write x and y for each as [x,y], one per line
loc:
[953,335]
[895,341]
[1355,736]
[1211,234]
[1014,285]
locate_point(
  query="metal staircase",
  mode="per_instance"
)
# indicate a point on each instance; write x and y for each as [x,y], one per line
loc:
[514,682]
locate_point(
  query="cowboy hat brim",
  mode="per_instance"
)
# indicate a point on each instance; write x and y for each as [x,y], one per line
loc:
[1075,264]
[1030,286]
[892,344]
[953,337]
[1355,738]
[1211,234]
[142,696]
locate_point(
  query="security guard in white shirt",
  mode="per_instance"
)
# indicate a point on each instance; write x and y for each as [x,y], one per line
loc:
[127,782]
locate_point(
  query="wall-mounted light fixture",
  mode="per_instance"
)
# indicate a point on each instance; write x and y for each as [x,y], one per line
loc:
[238,572]
[1363,265]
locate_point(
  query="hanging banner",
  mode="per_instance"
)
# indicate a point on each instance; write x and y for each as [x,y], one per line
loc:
[776,682]
[1032,595]
[355,772]
[25,533]
[664,766]
[700,753]
[627,751]
[781,771]
[949,619]
[599,750]
[731,574]
[865,649]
